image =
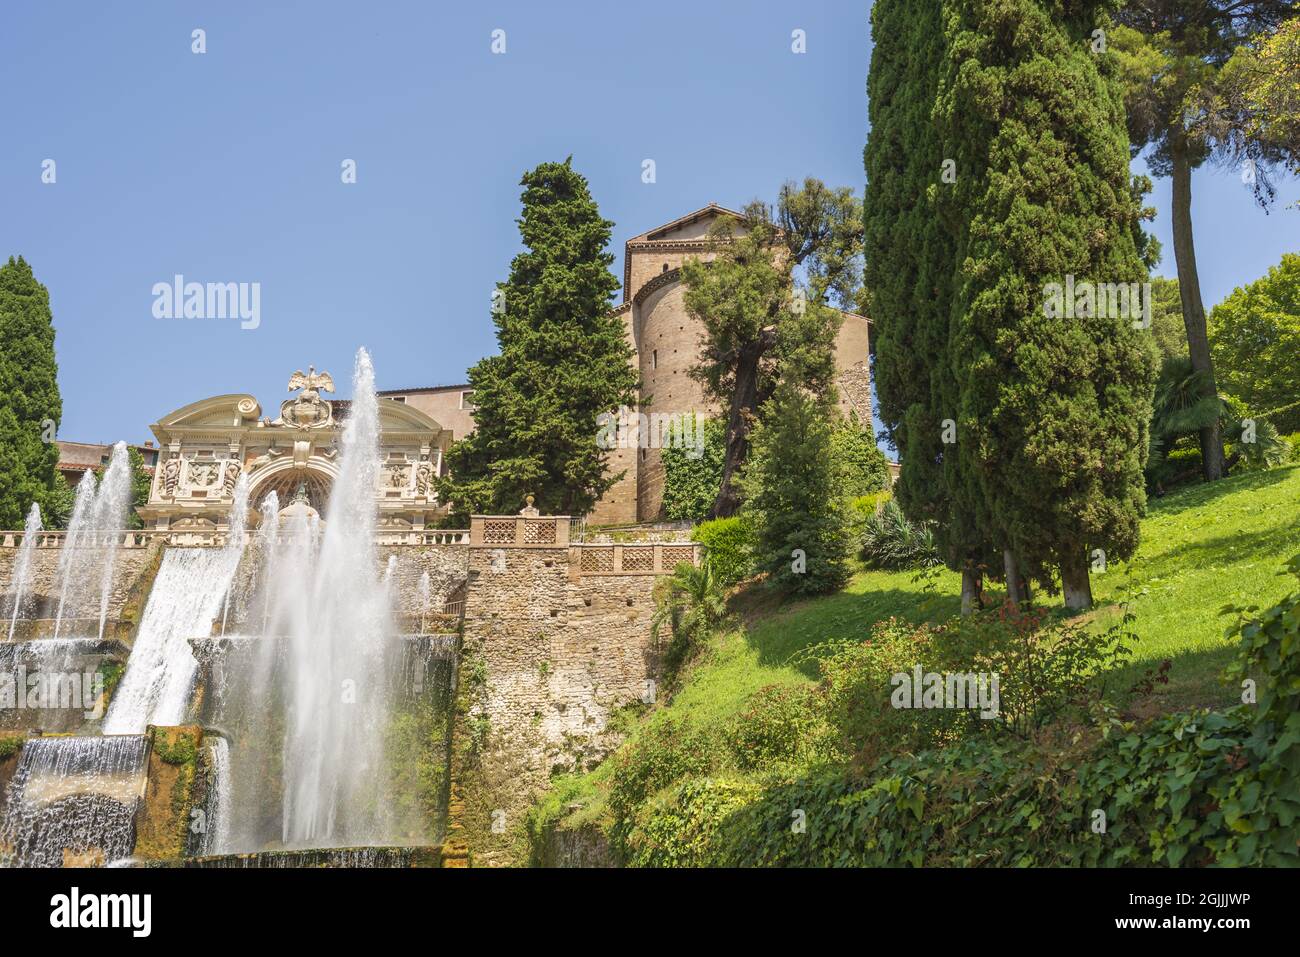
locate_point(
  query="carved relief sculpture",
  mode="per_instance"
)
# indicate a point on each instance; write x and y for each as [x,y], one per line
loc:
[308,410]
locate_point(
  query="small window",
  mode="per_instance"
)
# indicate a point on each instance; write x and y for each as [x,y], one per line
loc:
[665,269]
[465,402]
[654,359]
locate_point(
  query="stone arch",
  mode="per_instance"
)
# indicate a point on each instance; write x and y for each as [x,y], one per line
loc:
[284,477]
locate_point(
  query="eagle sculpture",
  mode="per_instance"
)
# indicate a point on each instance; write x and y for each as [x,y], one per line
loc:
[311,383]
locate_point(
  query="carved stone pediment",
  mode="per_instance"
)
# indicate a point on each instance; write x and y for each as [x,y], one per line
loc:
[308,410]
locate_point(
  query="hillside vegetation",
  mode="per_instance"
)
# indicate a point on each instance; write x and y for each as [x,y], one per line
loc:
[752,717]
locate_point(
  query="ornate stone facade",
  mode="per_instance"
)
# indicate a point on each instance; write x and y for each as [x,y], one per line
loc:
[206,446]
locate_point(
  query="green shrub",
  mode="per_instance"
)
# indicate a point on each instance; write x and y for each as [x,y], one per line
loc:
[1293,442]
[690,602]
[889,541]
[780,724]
[692,478]
[10,745]
[678,828]
[860,465]
[729,547]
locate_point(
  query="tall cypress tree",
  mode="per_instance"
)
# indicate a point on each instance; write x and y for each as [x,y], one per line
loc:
[910,267]
[564,360]
[1054,403]
[30,405]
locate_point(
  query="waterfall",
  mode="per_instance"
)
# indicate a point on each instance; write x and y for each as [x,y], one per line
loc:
[23,564]
[338,699]
[112,503]
[424,599]
[74,797]
[89,551]
[216,839]
[83,503]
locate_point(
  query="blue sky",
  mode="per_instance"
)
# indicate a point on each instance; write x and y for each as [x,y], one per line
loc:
[225,167]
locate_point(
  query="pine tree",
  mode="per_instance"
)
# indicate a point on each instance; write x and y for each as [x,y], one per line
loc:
[564,360]
[760,327]
[911,261]
[1054,408]
[793,494]
[1172,52]
[30,406]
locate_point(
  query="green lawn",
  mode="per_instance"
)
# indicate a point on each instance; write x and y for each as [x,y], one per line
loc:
[1202,547]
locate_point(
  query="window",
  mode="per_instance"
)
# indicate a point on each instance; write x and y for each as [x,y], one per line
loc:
[665,269]
[465,402]
[654,359]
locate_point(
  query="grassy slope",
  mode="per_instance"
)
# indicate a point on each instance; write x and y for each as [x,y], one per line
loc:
[1202,548]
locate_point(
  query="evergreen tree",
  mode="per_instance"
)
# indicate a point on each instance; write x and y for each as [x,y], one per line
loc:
[1055,398]
[141,480]
[861,466]
[760,327]
[564,360]
[793,494]
[1172,53]
[30,406]
[912,222]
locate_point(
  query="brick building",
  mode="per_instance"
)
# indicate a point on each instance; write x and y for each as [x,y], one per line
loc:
[665,341]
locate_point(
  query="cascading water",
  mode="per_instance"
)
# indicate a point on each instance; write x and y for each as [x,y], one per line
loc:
[82,507]
[73,800]
[23,564]
[90,546]
[187,597]
[335,619]
[112,502]
[216,838]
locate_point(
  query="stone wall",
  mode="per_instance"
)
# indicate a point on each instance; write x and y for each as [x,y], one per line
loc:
[549,655]
[133,569]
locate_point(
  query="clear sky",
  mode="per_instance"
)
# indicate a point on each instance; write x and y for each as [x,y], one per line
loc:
[225,167]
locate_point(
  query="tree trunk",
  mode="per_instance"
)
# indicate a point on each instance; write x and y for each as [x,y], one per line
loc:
[1189,290]
[744,401]
[1075,582]
[1017,587]
[972,590]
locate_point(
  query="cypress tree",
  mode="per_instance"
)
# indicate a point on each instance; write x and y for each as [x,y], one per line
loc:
[563,361]
[1054,402]
[911,261]
[794,493]
[30,405]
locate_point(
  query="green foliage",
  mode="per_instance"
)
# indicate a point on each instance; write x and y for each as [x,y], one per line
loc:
[30,406]
[1052,412]
[174,747]
[692,478]
[1255,341]
[910,243]
[140,482]
[728,547]
[760,328]
[861,465]
[564,360]
[691,603]
[1168,330]
[793,496]
[779,725]
[11,744]
[889,541]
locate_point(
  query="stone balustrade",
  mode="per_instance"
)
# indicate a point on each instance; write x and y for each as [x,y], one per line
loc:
[200,537]
[659,558]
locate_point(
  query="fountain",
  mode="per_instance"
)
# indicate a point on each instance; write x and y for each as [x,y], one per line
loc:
[322,745]
[23,564]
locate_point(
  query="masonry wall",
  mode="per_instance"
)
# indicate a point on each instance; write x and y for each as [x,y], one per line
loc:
[548,657]
[133,570]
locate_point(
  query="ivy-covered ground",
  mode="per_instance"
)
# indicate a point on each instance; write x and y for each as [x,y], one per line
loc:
[1203,548]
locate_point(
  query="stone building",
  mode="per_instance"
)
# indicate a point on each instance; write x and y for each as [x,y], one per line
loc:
[665,342]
